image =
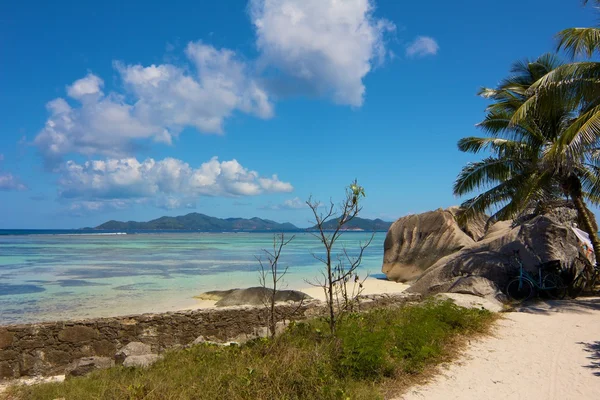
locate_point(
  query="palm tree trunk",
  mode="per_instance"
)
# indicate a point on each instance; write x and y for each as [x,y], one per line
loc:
[584,214]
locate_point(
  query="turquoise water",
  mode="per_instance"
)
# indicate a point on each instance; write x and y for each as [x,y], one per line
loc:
[48,277]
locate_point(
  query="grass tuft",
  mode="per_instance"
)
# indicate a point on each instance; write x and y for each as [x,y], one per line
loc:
[369,352]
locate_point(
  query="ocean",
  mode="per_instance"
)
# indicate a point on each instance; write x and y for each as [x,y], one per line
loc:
[56,275]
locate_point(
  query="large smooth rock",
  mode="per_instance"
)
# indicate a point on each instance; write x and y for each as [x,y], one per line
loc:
[475,227]
[484,268]
[252,296]
[132,349]
[85,365]
[416,242]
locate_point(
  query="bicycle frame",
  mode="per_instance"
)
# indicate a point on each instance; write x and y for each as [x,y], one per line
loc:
[538,283]
[526,275]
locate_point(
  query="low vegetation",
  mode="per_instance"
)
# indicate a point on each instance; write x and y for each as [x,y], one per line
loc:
[370,356]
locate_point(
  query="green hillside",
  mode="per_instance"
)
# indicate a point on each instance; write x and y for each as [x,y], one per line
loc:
[199,222]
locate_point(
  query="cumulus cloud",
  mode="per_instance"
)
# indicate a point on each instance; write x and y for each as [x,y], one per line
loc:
[8,183]
[159,101]
[422,46]
[170,182]
[329,46]
[90,85]
[291,204]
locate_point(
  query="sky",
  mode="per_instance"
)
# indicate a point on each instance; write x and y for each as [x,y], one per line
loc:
[133,110]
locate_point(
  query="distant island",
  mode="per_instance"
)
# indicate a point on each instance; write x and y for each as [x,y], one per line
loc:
[199,222]
[358,224]
[205,223]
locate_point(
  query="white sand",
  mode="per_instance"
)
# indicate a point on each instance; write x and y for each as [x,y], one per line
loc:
[548,351]
[370,286]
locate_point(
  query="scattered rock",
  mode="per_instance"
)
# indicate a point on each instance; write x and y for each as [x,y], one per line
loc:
[86,365]
[132,349]
[470,301]
[254,296]
[141,361]
[213,341]
[416,242]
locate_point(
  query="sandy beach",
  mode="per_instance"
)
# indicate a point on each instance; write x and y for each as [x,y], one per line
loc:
[548,351]
[370,286]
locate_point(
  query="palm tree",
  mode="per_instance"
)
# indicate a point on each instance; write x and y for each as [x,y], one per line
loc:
[529,163]
[574,155]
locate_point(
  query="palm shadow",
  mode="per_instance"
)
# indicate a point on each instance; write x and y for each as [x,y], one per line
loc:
[593,349]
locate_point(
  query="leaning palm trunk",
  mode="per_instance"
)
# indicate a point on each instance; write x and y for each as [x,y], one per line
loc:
[574,189]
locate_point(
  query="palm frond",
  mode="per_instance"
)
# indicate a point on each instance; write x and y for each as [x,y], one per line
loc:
[579,41]
[483,174]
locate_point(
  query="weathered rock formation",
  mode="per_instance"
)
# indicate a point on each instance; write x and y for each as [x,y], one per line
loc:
[484,267]
[255,296]
[416,242]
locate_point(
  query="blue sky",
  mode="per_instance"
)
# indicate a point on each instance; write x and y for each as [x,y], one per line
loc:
[133,110]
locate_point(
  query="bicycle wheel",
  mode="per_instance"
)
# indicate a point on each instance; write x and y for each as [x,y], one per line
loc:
[577,286]
[553,286]
[519,289]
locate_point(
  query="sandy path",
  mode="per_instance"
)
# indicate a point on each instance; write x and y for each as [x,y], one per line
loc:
[544,351]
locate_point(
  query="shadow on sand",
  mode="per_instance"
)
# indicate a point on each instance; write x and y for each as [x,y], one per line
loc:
[580,305]
[593,349]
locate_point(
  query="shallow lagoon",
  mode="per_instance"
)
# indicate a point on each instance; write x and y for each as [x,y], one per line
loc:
[68,276]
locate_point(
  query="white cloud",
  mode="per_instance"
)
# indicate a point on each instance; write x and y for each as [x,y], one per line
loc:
[422,46]
[171,183]
[291,204]
[90,85]
[159,101]
[8,182]
[329,46]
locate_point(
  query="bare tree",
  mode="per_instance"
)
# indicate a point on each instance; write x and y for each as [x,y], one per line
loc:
[270,277]
[340,269]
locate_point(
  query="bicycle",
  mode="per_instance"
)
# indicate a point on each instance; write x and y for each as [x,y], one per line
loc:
[525,285]
[588,278]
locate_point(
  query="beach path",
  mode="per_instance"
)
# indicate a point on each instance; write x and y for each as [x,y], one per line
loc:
[548,350]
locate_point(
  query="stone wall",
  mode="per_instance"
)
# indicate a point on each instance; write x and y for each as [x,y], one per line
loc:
[48,348]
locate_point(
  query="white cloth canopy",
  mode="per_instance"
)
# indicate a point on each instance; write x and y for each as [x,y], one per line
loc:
[584,238]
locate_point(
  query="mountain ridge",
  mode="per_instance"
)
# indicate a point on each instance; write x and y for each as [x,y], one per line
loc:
[357,224]
[202,222]
[199,222]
